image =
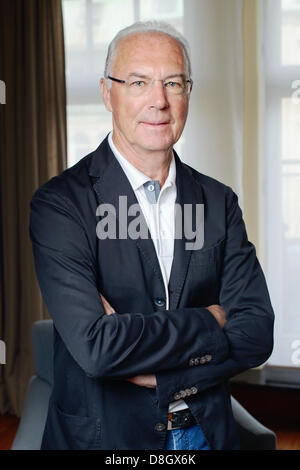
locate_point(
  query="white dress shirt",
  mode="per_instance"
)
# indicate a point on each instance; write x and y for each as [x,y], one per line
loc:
[158,207]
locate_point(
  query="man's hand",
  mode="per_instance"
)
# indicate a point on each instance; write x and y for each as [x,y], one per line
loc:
[219,313]
[143,380]
[107,307]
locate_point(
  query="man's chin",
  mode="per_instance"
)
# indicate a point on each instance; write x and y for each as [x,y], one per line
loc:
[156,145]
[157,149]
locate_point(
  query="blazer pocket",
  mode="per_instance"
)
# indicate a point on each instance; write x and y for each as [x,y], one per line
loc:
[80,432]
[207,256]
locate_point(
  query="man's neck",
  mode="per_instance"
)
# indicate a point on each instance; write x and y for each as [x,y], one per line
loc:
[154,164]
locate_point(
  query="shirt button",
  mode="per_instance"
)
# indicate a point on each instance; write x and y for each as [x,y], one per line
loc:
[160,427]
[151,187]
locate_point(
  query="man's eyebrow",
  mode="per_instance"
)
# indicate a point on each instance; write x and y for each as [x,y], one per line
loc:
[173,75]
[141,75]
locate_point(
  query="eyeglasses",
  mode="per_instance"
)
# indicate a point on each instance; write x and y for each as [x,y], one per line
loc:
[137,86]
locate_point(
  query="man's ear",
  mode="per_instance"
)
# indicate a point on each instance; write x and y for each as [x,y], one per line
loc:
[105,92]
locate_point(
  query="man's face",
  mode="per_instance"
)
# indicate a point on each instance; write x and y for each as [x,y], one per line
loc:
[153,121]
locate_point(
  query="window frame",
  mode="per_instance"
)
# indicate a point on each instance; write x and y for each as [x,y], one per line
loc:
[277,82]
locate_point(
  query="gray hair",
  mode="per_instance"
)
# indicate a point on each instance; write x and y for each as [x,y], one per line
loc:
[141,27]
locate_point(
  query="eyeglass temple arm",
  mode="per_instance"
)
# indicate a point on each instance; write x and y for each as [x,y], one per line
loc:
[116,79]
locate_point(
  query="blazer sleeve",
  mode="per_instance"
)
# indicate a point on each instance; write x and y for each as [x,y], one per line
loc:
[249,314]
[107,346]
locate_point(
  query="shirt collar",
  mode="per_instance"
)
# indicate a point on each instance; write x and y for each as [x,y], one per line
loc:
[135,176]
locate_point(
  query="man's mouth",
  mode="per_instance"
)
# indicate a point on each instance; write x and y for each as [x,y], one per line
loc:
[155,124]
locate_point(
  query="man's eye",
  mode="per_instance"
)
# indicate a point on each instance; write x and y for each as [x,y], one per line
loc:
[137,83]
[173,84]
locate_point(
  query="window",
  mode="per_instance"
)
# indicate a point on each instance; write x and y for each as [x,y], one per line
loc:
[89,26]
[282,174]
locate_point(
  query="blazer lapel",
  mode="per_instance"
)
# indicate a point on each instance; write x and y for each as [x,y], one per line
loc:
[110,182]
[189,192]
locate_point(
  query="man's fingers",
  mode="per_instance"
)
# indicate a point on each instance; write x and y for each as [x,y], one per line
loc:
[219,313]
[107,307]
[144,380]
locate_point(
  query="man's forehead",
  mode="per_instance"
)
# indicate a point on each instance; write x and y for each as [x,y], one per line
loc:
[148,36]
[147,49]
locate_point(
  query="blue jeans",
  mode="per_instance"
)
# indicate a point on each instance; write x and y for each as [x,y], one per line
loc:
[191,438]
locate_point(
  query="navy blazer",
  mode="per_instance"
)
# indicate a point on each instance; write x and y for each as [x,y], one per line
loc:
[92,406]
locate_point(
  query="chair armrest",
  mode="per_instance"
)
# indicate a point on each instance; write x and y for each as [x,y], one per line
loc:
[253,435]
[31,427]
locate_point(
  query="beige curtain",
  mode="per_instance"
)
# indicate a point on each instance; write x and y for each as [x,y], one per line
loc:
[223,137]
[253,114]
[33,149]
[214,133]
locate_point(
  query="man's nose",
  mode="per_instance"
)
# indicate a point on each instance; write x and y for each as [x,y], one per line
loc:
[158,97]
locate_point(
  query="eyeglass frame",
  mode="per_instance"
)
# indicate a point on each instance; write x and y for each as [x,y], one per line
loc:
[118,80]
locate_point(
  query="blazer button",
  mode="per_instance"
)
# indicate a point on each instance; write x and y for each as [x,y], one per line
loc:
[182,393]
[192,362]
[208,357]
[197,361]
[160,427]
[194,390]
[160,303]
[188,392]
[177,396]
[202,360]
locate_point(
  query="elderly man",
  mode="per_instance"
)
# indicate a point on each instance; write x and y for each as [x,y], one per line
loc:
[148,328]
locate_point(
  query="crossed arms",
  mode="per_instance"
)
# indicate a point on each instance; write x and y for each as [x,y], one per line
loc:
[129,345]
[149,380]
